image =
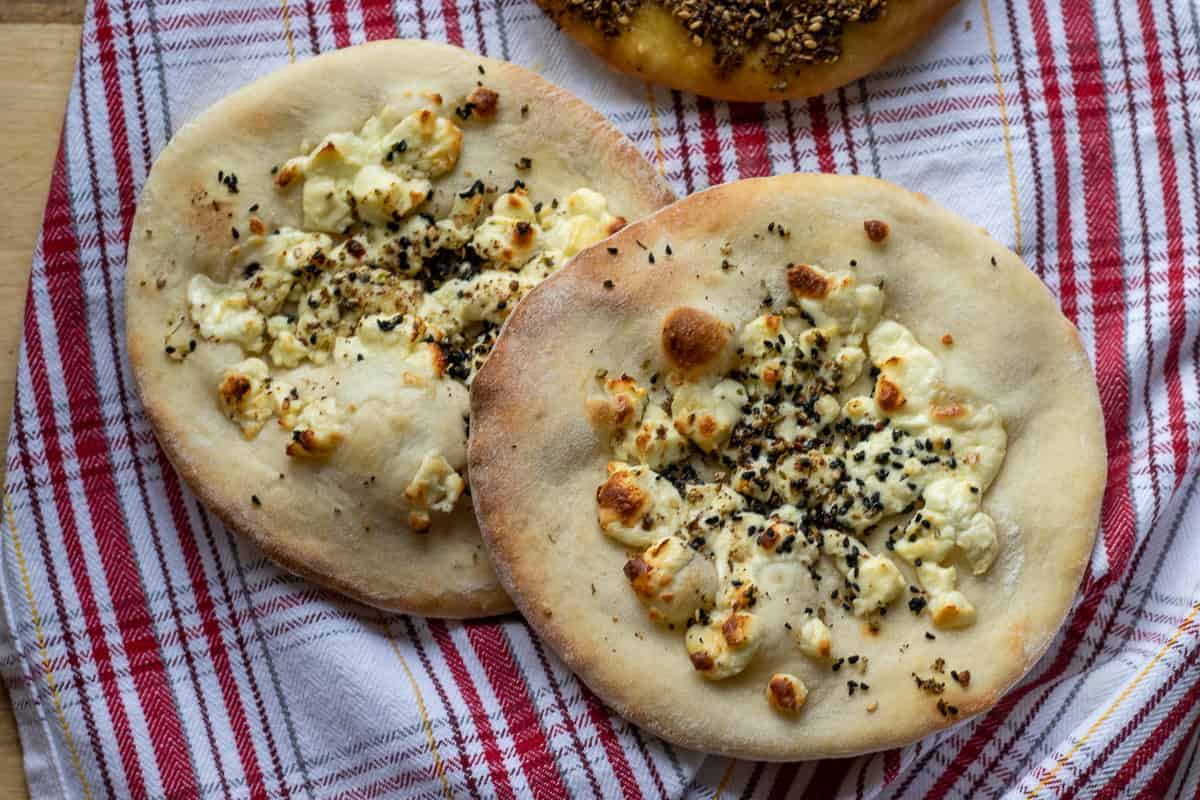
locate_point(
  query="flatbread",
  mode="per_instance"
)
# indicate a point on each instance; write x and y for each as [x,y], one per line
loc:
[1015,378]
[654,43]
[340,515]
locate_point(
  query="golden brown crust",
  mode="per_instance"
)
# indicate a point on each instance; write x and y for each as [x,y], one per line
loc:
[659,49]
[1012,347]
[322,520]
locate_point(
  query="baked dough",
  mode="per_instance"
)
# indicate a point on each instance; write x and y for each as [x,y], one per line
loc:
[792,49]
[812,601]
[318,265]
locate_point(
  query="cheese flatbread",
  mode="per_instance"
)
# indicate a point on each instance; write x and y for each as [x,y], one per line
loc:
[319,266]
[812,467]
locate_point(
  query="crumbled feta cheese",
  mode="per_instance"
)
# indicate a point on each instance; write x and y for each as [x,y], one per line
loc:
[580,221]
[725,646]
[377,175]
[706,413]
[636,506]
[436,485]
[815,638]
[224,313]
[318,429]
[671,580]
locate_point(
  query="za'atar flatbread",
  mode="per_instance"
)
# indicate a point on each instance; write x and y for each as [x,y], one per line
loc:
[747,49]
[797,467]
[319,265]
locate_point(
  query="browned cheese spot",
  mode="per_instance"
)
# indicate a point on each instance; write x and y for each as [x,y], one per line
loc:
[782,693]
[484,101]
[624,409]
[621,500]
[804,281]
[415,494]
[523,234]
[616,225]
[639,574]
[877,230]
[888,395]
[692,338]
[769,538]
[948,412]
[303,444]
[743,597]
[946,615]
[947,339]
[438,356]
[736,629]
[234,388]
[285,176]
[623,404]
[702,662]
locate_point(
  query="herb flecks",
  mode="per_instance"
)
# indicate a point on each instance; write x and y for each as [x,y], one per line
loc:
[792,35]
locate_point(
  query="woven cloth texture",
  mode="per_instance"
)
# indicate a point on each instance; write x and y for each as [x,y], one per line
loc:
[149,653]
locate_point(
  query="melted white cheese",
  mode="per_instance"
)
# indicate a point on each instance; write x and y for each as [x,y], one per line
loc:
[224,313]
[911,447]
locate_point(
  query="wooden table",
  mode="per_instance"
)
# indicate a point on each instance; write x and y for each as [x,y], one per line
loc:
[38,45]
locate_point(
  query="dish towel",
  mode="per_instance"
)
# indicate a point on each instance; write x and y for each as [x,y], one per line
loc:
[149,653]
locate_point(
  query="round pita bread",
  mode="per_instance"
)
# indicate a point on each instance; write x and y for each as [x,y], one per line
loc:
[343,519]
[658,46]
[539,452]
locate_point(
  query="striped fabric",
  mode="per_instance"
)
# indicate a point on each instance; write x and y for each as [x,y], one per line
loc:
[151,654]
